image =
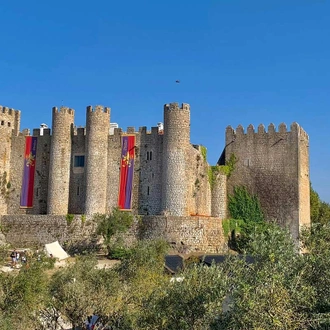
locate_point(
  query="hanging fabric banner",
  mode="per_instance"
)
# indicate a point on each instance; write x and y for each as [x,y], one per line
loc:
[29,171]
[126,172]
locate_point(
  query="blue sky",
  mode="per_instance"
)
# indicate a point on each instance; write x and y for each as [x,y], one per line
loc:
[239,62]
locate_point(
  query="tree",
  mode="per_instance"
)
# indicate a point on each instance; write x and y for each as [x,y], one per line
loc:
[316,240]
[320,210]
[246,210]
[22,295]
[189,304]
[244,206]
[271,292]
[112,224]
[80,289]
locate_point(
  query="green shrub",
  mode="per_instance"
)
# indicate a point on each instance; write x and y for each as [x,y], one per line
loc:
[119,252]
[69,219]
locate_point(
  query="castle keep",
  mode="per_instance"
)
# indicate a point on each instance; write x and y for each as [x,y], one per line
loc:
[82,170]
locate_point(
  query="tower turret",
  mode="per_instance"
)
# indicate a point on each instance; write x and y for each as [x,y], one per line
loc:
[60,155]
[9,126]
[97,132]
[175,143]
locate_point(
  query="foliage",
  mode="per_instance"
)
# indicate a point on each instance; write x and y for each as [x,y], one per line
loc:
[119,252]
[83,218]
[242,205]
[320,210]
[270,292]
[270,286]
[146,254]
[203,152]
[316,240]
[246,209]
[230,225]
[314,204]
[22,295]
[191,303]
[69,219]
[5,186]
[114,223]
[81,289]
[226,169]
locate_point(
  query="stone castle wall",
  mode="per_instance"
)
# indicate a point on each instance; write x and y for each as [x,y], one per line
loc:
[171,176]
[37,230]
[60,155]
[97,131]
[9,128]
[269,166]
[150,171]
[185,234]
[175,143]
[77,190]
[303,178]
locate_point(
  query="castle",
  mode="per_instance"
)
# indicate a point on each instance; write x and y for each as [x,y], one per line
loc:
[89,170]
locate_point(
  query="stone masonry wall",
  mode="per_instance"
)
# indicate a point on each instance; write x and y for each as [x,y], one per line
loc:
[219,196]
[199,191]
[37,230]
[97,131]
[304,179]
[186,234]
[150,171]
[41,173]
[114,160]
[175,143]
[268,166]
[9,128]
[77,191]
[60,155]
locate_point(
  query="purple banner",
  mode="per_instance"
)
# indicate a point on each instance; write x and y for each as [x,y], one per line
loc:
[126,172]
[29,171]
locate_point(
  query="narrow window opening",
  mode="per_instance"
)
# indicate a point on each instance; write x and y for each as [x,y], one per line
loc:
[9,124]
[37,192]
[148,191]
[150,155]
[79,161]
[78,191]
[147,155]
[2,122]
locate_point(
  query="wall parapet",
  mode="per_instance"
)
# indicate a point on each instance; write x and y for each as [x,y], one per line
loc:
[98,109]
[63,109]
[240,132]
[9,111]
[175,107]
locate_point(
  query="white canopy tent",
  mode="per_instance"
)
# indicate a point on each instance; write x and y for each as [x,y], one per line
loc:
[56,250]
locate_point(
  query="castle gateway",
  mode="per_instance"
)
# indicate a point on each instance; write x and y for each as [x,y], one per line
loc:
[90,170]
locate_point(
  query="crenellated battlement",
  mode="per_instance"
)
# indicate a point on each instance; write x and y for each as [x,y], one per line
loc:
[117,131]
[175,107]
[154,131]
[63,110]
[232,134]
[98,109]
[45,132]
[9,111]
[79,130]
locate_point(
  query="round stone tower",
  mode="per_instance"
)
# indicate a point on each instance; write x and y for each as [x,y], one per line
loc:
[9,126]
[60,160]
[219,196]
[97,132]
[175,144]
